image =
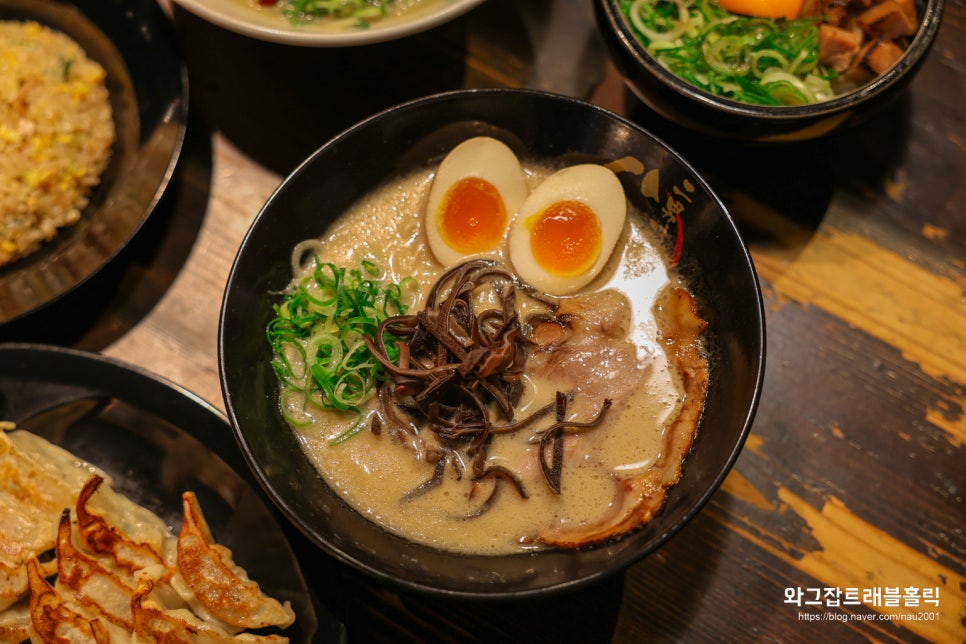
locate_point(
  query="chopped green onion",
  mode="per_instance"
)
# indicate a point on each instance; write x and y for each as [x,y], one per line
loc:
[660,20]
[363,11]
[788,93]
[730,55]
[318,330]
[354,429]
[762,60]
[727,55]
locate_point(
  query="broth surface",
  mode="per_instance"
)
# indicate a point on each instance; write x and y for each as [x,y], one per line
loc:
[396,12]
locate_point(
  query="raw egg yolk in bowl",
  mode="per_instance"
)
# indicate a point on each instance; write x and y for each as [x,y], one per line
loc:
[789,9]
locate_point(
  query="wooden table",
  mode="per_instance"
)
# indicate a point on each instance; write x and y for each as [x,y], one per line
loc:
[852,480]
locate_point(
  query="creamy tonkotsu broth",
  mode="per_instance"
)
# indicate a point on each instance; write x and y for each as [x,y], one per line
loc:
[342,18]
[376,473]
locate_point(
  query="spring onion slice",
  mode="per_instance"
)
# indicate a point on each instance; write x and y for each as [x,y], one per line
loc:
[657,21]
[318,333]
[354,429]
[729,55]
[760,60]
[362,11]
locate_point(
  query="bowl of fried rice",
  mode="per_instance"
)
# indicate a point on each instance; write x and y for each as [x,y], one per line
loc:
[93,107]
[56,133]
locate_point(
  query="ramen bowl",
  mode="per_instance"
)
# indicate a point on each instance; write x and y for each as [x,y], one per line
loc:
[701,237]
[267,22]
[693,108]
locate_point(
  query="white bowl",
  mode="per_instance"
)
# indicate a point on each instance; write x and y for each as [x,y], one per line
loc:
[237,16]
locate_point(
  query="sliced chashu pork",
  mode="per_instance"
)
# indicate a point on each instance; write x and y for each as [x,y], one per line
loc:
[586,350]
[638,498]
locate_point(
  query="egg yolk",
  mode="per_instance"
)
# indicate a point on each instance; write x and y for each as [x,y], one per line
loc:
[789,9]
[472,217]
[565,238]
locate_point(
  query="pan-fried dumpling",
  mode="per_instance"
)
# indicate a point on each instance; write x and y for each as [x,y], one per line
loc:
[55,460]
[89,584]
[13,586]
[15,620]
[32,494]
[219,585]
[33,491]
[154,623]
[129,552]
[121,573]
[23,531]
[52,621]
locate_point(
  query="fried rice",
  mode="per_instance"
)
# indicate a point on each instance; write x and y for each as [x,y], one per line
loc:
[56,134]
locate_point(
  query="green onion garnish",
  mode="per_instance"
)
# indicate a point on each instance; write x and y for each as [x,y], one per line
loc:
[363,11]
[317,334]
[751,60]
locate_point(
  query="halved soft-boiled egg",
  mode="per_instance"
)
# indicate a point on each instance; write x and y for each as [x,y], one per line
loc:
[567,228]
[477,190]
[789,9]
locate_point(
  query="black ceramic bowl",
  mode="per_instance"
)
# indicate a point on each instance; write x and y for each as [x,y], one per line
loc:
[712,258]
[686,105]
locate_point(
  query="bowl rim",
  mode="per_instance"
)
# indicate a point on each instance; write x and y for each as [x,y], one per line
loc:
[922,42]
[756,354]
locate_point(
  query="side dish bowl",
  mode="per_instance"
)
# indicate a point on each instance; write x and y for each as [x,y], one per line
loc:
[713,261]
[148,84]
[686,105]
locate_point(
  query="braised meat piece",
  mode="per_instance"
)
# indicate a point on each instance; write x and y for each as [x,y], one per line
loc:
[838,47]
[637,498]
[586,348]
[889,20]
[861,39]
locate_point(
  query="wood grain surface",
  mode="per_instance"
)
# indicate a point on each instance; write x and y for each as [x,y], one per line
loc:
[853,477]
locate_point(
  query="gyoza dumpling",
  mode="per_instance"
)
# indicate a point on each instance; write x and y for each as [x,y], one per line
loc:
[52,621]
[101,532]
[87,583]
[37,481]
[221,587]
[154,623]
[15,621]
